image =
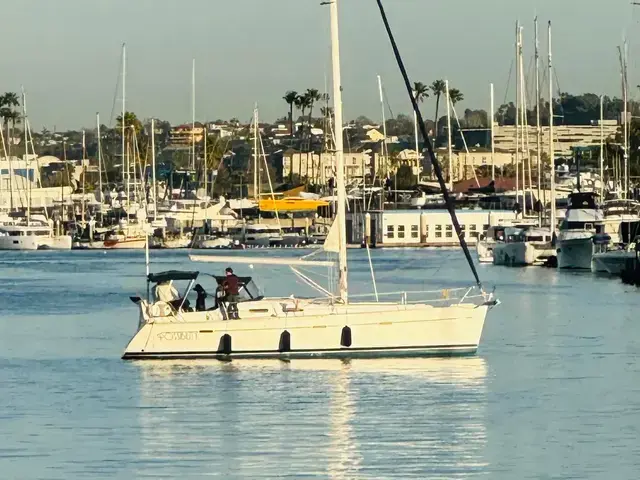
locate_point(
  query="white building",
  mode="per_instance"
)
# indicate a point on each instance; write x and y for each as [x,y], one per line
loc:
[319,167]
[425,228]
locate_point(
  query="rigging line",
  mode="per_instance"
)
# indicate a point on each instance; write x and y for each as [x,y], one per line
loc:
[115,93]
[425,137]
[506,90]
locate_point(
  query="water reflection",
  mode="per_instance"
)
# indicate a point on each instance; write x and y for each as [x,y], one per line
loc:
[403,418]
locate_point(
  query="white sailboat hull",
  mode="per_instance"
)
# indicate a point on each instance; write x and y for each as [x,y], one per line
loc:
[376,330]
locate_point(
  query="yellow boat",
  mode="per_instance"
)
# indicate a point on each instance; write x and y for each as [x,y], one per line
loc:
[290,204]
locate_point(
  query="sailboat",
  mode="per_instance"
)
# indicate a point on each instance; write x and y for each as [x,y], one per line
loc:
[445,322]
[30,232]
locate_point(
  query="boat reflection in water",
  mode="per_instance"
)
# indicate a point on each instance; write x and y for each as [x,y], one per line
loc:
[405,418]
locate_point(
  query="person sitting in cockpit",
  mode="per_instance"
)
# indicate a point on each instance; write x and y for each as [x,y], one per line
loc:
[165,292]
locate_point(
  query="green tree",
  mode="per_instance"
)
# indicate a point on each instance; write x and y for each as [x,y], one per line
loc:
[437,88]
[291,97]
[420,91]
[9,102]
[455,96]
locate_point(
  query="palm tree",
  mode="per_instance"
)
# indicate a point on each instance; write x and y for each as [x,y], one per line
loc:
[8,103]
[438,89]
[420,91]
[301,104]
[455,96]
[290,97]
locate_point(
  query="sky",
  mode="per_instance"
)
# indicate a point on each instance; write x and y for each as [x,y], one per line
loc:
[67,53]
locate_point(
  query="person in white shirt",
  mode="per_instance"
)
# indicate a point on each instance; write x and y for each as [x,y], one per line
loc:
[165,292]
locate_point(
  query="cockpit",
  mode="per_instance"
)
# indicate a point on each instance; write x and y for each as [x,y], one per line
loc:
[195,291]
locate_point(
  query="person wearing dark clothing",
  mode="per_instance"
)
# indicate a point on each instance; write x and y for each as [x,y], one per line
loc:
[231,286]
[200,300]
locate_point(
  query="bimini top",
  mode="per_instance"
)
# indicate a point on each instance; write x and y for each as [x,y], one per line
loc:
[171,275]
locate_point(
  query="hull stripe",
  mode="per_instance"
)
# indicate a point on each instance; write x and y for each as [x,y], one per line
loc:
[341,352]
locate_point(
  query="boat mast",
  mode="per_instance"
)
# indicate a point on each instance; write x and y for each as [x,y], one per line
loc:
[493,147]
[517,122]
[601,148]
[84,172]
[341,197]
[99,161]
[449,147]
[255,153]
[153,168]
[124,106]
[551,149]
[193,114]
[204,166]
[385,151]
[524,134]
[26,154]
[538,131]
[625,94]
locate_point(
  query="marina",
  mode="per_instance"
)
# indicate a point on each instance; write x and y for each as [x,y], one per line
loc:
[569,377]
[315,295]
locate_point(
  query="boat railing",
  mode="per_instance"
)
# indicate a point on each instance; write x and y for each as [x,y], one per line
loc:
[448,296]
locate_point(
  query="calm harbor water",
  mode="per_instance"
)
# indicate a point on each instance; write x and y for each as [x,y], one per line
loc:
[553,393]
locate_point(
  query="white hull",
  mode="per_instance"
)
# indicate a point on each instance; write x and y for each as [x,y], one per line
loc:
[575,253]
[18,243]
[612,263]
[522,253]
[35,242]
[485,251]
[376,329]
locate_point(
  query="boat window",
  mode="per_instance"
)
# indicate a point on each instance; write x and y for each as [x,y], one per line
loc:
[473,228]
[485,227]
[414,231]
[449,233]
[438,231]
[463,227]
[400,231]
[588,226]
[390,231]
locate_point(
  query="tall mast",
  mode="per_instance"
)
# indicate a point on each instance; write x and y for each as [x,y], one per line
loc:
[524,137]
[551,149]
[84,172]
[517,123]
[99,160]
[384,142]
[204,167]
[601,148]
[26,154]
[153,168]
[449,147]
[341,197]
[193,114]
[625,93]
[493,147]
[538,131]
[124,109]
[255,153]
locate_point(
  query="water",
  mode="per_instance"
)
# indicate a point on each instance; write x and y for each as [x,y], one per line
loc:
[553,393]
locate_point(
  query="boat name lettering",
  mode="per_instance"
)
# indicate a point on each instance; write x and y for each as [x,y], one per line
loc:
[176,336]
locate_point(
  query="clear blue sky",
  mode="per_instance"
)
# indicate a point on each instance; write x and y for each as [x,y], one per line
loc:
[67,52]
